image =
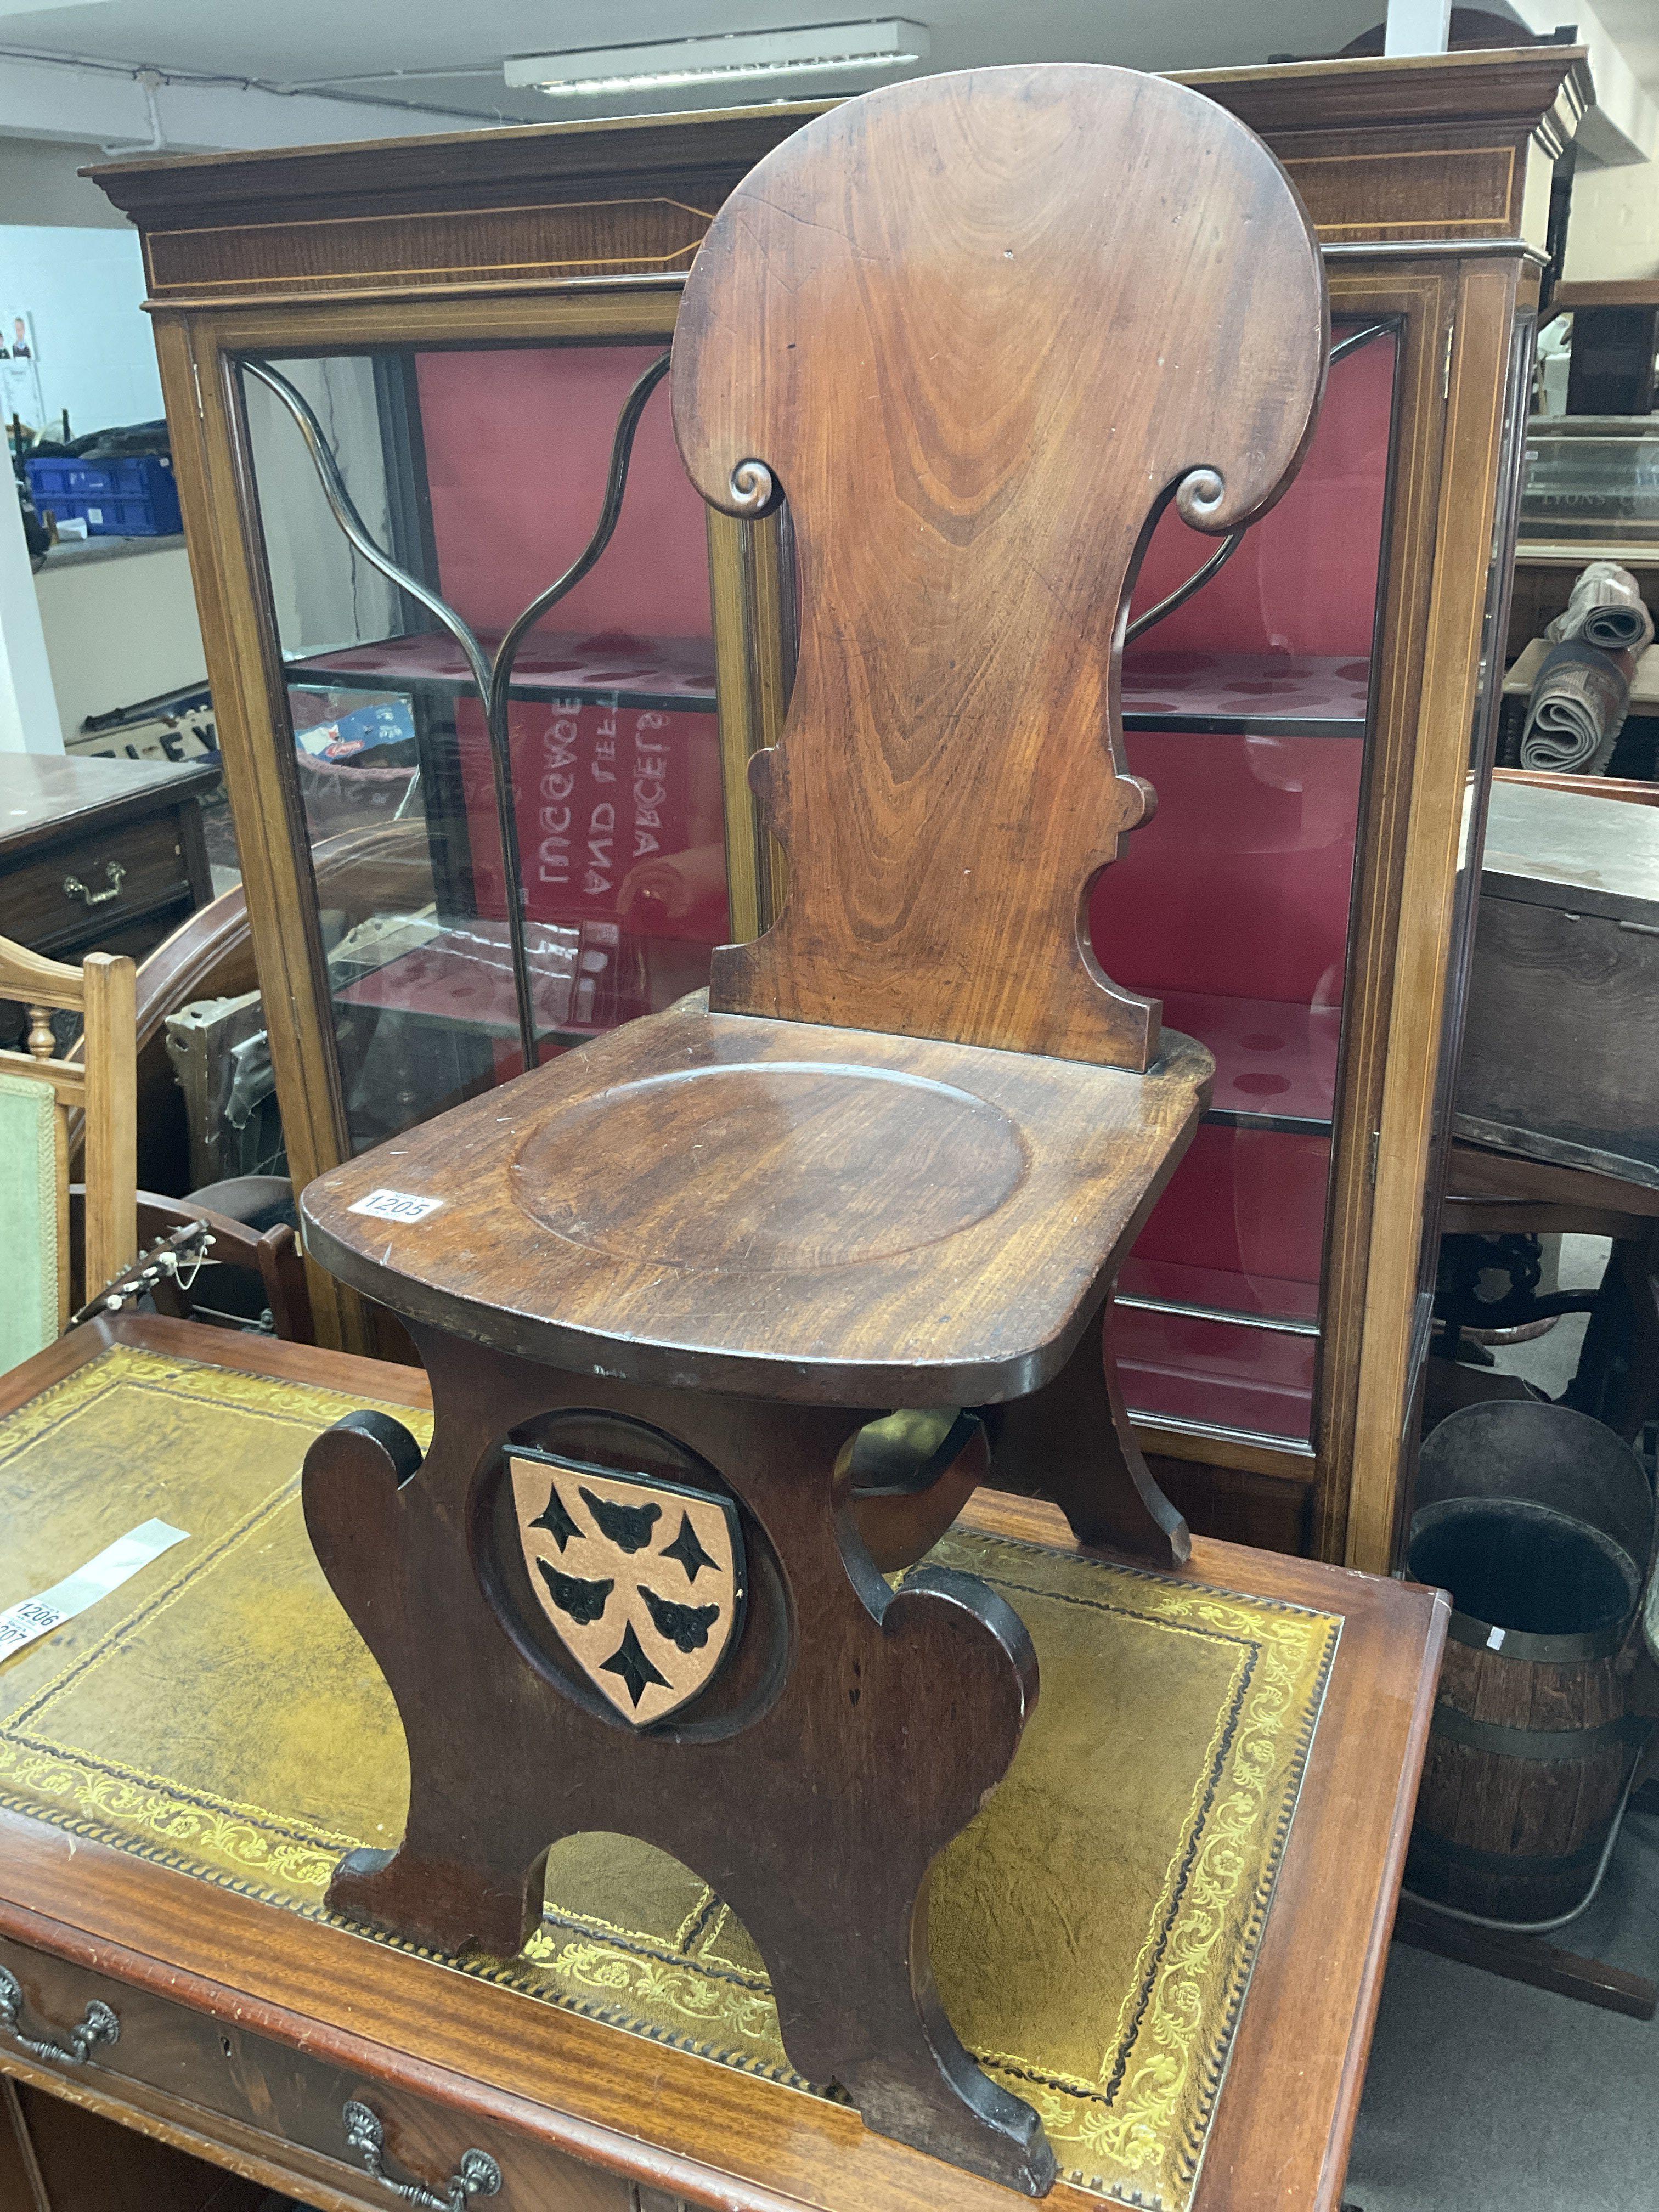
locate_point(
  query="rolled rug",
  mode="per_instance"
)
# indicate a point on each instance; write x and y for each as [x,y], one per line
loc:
[1579,700]
[1605,608]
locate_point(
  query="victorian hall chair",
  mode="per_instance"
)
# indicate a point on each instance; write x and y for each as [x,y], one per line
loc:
[978,330]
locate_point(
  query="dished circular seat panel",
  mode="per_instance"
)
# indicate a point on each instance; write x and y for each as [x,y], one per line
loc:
[721,1201]
[814,1167]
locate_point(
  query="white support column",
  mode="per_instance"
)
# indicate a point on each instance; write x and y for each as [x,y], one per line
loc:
[28,706]
[1417,27]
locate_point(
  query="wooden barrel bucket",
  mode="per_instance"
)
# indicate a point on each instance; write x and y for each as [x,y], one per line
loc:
[1539,1522]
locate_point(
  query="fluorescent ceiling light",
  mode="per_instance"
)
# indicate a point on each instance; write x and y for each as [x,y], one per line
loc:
[824,46]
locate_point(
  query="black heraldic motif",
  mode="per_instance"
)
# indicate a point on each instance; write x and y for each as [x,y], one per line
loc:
[556,1520]
[686,1626]
[629,1527]
[687,1550]
[583,1601]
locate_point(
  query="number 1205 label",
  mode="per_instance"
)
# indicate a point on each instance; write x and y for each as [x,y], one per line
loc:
[396,1205]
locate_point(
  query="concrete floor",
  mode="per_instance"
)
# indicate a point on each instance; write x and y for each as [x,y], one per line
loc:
[1486,2096]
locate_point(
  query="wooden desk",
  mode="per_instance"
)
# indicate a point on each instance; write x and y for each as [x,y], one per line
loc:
[128,832]
[245,2029]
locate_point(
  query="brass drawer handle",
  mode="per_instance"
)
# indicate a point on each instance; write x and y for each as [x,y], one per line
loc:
[100,2026]
[113,873]
[478,2174]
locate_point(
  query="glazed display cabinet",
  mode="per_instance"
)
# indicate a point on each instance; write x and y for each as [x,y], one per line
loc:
[472,635]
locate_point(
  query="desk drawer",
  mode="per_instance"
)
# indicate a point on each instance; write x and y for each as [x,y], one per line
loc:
[203,2066]
[123,873]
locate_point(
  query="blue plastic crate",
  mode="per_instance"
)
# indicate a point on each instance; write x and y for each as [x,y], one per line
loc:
[134,497]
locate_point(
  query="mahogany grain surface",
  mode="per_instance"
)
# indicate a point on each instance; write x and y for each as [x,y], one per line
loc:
[977,396]
[717,1201]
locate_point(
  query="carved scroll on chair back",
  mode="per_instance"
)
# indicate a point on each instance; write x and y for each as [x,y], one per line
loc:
[979,330]
[976,340]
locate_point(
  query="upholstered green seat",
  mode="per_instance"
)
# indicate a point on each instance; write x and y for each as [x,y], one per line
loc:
[30,1258]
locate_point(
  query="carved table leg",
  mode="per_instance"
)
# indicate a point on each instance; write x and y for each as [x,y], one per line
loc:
[839,1735]
[1071,1442]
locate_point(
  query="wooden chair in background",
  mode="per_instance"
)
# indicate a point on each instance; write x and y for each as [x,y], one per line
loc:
[63,1244]
[38,1090]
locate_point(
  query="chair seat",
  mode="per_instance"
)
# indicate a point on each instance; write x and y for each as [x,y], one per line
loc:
[720,1202]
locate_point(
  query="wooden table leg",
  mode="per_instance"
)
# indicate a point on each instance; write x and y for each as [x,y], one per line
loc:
[846,1733]
[1071,1442]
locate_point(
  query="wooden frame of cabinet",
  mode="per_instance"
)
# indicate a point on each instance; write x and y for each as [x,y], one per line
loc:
[1428,182]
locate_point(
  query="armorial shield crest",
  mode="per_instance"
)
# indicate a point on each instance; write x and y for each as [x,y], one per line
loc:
[642,1580]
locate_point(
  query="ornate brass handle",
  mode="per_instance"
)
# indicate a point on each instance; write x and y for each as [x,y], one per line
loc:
[478,2174]
[114,871]
[100,2026]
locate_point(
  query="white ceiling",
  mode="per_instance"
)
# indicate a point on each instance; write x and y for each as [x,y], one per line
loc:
[411,44]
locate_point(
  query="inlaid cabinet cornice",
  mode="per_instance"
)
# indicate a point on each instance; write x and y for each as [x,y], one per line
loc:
[575,201]
[545,204]
[1321,762]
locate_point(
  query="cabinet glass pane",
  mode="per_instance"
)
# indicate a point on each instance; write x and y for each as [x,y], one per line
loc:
[1246,709]
[482,474]
[1594,477]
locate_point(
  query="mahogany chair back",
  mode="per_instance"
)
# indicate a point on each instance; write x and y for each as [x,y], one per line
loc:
[978,333]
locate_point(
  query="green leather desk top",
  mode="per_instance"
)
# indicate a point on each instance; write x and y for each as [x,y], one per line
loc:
[1093,1931]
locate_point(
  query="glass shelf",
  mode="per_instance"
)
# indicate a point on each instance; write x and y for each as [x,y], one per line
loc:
[1219,1301]
[1275,1061]
[584,979]
[617,671]
[1594,477]
[1258,1301]
[1235,694]
[1202,1375]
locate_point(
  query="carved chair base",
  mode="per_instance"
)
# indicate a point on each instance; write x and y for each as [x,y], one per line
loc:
[605,1607]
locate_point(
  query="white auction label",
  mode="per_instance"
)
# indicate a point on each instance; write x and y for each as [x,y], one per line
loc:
[38,1616]
[396,1205]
